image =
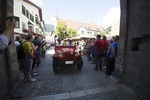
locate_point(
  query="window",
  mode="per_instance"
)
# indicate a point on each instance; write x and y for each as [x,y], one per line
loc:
[30,28]
[23,10]
[23,25]
[82,32]
[36,19]
[37,30]
[31,17]
[27,14]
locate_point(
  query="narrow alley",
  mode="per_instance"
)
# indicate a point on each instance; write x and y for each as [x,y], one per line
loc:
[70,83]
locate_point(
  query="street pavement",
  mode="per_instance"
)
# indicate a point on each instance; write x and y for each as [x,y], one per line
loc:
[71,84]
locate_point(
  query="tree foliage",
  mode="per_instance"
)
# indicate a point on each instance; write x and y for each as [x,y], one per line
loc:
[106,31]
[103,33]
[72,32]
[61,28]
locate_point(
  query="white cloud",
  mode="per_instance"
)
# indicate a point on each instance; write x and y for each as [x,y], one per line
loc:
[112,15]
[38,2]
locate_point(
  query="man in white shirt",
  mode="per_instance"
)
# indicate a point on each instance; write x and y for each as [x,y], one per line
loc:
[6,35]
[58,43]
[18,41]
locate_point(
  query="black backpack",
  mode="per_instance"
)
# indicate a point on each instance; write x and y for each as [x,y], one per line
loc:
[20,51]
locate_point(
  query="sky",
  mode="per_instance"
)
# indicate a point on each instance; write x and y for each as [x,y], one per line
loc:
[102,12]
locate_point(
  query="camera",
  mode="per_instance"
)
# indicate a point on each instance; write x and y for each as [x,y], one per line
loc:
[11,18]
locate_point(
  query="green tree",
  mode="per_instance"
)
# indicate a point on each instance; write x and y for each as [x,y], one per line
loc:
[60,29]
[72,32]
[103,33]
[108,30]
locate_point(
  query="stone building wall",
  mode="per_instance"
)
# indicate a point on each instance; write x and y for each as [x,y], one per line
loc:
[8,59]
[133,61]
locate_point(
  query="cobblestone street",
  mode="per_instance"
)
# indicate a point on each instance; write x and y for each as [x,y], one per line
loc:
[71,84]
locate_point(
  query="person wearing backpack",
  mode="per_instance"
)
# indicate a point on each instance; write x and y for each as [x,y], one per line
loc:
[98,52]
[28,60]
[18,44]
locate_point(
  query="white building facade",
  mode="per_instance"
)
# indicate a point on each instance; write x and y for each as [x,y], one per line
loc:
[30,18]
[87,31]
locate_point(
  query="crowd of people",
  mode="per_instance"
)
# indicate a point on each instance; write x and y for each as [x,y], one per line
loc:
[80,44]
[102,52]
[29,52]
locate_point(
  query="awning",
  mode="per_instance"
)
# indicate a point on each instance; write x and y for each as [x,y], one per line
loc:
[66,39]
[83,37]
[87,36]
